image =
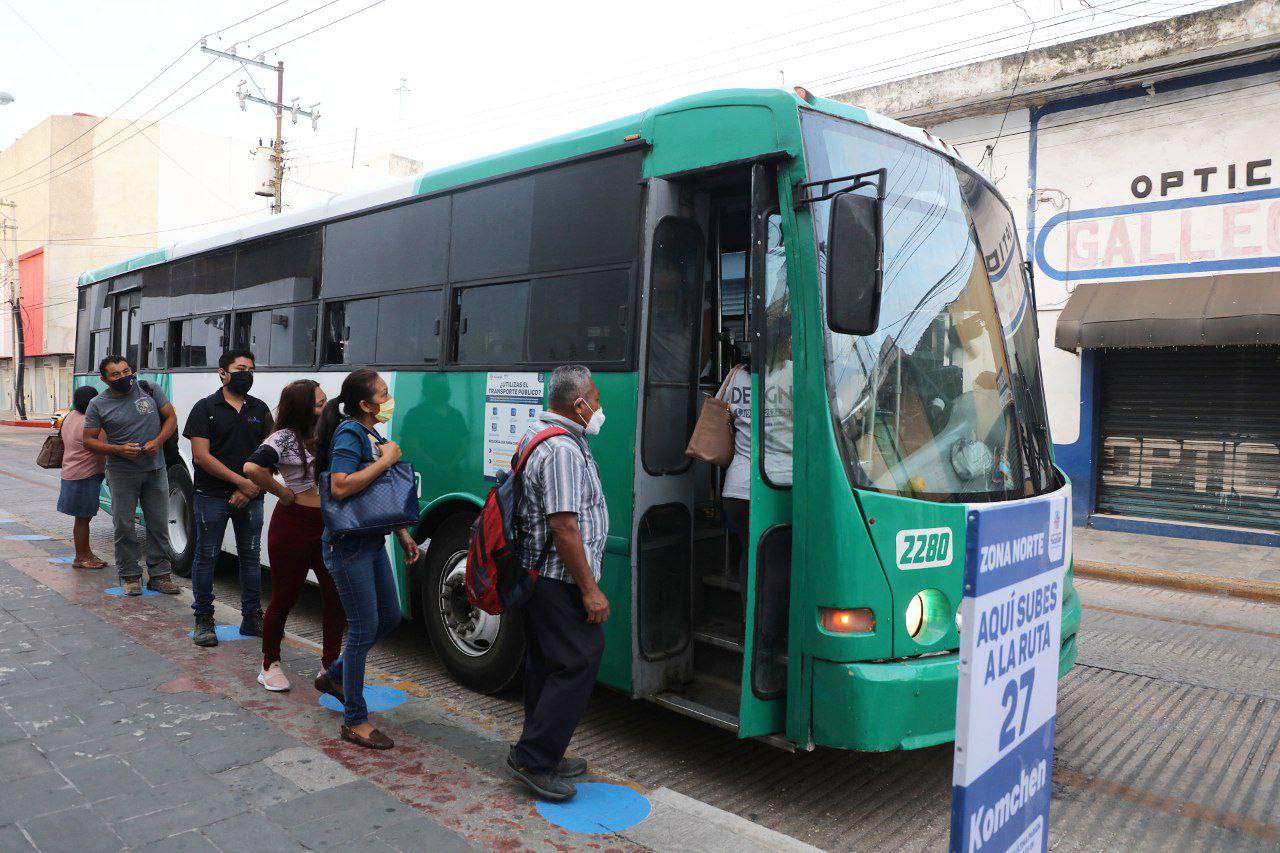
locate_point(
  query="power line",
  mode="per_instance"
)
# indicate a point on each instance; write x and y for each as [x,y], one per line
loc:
[54,173]
[400,134]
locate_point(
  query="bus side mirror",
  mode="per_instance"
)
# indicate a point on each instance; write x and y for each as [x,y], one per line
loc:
[855,247]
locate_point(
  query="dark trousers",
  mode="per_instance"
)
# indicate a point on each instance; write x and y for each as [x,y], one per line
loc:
[562,658]
[737,518]
[212,514]
[293,545]
[361,570]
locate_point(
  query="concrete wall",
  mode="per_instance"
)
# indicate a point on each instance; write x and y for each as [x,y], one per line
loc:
[1099,63]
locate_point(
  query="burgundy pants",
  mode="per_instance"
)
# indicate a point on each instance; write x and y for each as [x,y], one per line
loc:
[293,547]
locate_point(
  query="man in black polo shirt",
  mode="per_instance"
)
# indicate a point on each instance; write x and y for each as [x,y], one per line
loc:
[224,429]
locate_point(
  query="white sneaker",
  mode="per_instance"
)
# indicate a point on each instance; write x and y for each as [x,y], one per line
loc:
[273,678]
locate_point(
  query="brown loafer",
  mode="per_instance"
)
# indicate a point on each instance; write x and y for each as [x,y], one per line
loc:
[325,684]
[375,740]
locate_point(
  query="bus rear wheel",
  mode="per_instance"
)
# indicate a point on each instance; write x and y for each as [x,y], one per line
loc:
[481,651]
[182,526]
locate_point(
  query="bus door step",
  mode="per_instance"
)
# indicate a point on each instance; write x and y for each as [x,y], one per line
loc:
[690,707]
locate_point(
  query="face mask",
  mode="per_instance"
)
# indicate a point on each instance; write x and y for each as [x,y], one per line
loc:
[596,421]
[123,384]
[386,410]
[240,382]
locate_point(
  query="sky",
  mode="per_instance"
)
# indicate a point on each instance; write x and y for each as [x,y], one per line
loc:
[483,77]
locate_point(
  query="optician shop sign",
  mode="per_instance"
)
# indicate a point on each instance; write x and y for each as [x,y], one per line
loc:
[1174,222]
[1011,619]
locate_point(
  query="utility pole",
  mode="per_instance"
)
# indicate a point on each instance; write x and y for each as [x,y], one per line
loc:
[277,144]
[13,286]
[403,91]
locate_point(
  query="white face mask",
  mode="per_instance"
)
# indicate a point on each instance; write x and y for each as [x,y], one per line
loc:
[596,421]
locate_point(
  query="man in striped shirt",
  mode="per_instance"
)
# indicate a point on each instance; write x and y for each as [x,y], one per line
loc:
[564,514]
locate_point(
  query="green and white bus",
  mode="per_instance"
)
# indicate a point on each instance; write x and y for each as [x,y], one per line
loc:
[876,282]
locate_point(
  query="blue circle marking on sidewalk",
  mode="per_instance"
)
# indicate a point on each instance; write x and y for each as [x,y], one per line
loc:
[28,537]
[62,561]
[376,697]
[598,808]
[119,590]
[8,521]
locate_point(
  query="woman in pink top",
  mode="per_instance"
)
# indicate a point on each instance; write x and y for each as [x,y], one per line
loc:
[82,472]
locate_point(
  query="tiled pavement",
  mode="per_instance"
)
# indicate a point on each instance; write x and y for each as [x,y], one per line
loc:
[116,732]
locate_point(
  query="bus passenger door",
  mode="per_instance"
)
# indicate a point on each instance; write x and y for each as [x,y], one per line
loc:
[762,708]
[664,476]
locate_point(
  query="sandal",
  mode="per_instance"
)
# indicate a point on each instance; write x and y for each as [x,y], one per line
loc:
[88,564]
[375,740]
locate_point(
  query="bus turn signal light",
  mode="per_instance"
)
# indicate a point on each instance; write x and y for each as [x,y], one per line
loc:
[860,621]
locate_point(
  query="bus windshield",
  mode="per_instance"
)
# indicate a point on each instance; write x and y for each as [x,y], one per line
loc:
[943,401]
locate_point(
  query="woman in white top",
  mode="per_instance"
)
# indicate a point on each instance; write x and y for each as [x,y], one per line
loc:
[737,479]
[293,540]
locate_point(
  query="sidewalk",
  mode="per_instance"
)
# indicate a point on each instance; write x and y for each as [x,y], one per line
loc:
[116,732]
[1249,571]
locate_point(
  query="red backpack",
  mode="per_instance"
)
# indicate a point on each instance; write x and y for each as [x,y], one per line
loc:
[495,579]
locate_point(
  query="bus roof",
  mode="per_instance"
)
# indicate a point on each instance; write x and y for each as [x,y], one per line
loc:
[638,127]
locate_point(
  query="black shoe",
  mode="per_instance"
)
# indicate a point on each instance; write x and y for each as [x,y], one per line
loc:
[570,768]
[206,634]
[547,785]
[251,624]
[325,684]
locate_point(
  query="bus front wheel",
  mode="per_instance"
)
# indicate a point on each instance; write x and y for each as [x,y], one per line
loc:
[483,652]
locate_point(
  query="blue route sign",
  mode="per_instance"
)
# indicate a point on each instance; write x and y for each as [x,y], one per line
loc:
[1011,633]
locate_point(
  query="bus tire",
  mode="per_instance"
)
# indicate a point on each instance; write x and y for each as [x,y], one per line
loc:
[482,652]
[182,523]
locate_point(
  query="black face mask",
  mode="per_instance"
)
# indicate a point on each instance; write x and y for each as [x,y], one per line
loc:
[123,384]
[240,382]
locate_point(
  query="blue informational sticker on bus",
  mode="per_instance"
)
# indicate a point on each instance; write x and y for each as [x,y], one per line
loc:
[1011,634]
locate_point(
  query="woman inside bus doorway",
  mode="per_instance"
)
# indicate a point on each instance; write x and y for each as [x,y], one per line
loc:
[293,540]
[349,447]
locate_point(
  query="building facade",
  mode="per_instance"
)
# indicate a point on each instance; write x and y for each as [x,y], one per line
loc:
[84,192]
[1144,169]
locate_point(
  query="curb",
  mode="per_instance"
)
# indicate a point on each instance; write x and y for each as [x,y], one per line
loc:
[39,424]
[1187,581]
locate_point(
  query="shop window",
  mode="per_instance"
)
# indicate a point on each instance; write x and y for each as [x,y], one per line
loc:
[580,318]
[491,324]
[406,246]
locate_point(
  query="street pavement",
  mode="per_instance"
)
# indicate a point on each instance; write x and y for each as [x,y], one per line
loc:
[1168,734]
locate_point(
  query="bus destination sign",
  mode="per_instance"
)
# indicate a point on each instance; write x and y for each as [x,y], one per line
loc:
[1011,622]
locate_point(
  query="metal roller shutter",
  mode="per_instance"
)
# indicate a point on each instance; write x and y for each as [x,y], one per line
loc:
[1192,434]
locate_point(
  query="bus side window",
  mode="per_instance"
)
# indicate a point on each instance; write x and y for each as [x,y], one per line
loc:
[491,323]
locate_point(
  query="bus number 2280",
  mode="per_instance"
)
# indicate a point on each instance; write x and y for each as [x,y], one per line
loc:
[927,548]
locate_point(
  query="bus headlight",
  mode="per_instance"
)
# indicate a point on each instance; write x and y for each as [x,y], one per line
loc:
[928,616]
[915,615]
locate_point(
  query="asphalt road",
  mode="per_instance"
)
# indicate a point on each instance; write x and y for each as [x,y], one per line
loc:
[1167,728]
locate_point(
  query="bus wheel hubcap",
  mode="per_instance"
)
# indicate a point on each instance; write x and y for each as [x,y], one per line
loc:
[470,629]
[178,521]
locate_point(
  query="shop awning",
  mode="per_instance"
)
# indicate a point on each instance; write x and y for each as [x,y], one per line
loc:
[1218,310]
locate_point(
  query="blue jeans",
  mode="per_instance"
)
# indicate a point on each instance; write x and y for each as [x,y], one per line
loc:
[361,570]
[212,515]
